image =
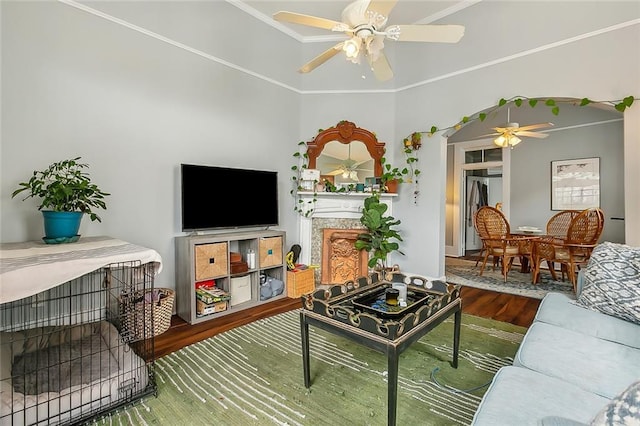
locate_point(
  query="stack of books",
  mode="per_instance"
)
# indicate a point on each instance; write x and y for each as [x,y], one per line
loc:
[210,300]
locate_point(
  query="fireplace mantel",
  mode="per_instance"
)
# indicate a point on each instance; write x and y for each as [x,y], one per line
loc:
[333,205]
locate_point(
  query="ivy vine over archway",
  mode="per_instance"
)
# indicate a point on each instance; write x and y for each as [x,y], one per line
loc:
[519,101]
[412,143]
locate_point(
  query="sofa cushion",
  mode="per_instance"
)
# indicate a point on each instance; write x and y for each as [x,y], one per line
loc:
[624,409]
[561,310]
[518,396]
[612,281]
[595,365]
[559,421]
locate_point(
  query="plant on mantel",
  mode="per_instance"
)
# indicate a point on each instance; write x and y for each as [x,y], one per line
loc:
[300,206]
[391,173]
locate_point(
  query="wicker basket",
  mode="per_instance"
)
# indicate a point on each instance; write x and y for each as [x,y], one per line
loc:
[270,251]
[143,318]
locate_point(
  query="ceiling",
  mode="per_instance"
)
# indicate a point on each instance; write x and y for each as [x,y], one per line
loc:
[491,35]
[404,12]
[496,31]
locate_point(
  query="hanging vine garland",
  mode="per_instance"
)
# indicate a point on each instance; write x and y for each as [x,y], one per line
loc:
[553,104]
[411,145]
[413,142]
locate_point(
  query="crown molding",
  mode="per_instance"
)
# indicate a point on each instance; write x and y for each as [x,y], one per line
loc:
[266,19]
[524,53]
[97,13]
[448,11]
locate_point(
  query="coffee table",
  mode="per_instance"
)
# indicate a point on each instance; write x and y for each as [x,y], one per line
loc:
[345,310]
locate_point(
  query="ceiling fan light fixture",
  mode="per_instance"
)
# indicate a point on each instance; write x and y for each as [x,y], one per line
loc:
[365,22]
[507,139]
[514,140]
[351,48]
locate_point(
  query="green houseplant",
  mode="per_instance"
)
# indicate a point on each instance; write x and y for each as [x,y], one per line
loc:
[391,176]
[380,235]
[66,193]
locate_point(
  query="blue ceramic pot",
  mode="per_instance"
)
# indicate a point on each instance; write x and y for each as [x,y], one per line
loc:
[61,224]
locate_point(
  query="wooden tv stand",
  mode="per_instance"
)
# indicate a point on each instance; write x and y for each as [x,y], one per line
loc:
[201,258]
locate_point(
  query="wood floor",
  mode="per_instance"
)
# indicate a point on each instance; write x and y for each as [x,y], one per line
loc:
[517,310]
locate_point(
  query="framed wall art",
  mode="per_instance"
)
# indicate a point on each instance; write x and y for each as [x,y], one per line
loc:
[575,184]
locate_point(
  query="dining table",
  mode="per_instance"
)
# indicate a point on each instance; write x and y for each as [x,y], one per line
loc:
[530,233]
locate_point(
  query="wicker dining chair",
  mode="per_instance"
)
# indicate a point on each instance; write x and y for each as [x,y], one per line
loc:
[495,233]
[574,250]
[558,224]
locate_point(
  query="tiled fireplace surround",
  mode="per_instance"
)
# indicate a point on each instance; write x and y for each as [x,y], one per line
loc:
[338,211]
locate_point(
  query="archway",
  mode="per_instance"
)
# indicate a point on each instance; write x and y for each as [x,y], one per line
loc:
[579,132]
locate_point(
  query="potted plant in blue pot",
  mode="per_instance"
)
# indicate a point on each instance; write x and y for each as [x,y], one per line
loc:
[67,193]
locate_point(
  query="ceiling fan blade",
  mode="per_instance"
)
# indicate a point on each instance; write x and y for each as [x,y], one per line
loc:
[507,128]
[381,68]
[360,163]
[430,33]
[321,58]
[536,126]
[532,134]
[383,7]
[335,172]
[311,21]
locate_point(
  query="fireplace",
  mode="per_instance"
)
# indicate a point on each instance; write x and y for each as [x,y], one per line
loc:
[341,261]
[336,211]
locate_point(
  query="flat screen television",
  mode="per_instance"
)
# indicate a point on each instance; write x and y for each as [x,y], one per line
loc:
[221,197]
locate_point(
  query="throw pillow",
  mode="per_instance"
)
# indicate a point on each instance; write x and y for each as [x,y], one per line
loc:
[623,410]
[612,281]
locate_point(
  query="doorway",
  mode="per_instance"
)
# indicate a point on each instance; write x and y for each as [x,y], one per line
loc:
[483,187]
[479,176]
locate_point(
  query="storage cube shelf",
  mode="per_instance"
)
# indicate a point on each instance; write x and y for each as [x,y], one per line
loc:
[207,257]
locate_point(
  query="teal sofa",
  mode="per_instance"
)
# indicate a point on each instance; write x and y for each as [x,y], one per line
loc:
[576,363]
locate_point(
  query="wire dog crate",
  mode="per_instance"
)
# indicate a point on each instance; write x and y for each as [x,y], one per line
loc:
[68,354]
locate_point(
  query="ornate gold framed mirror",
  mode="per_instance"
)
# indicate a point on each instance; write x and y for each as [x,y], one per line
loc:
[346,152]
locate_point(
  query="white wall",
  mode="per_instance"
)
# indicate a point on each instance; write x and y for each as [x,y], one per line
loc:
[371,111]
[531,199]
[135,105]
[601,67]
[134,108]
[632,176]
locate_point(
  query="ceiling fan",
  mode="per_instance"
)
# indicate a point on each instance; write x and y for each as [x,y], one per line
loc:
[349,168]
[364,22]
[508,135]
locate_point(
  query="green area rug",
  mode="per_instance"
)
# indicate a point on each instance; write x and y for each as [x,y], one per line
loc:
[252,375]
[467,274]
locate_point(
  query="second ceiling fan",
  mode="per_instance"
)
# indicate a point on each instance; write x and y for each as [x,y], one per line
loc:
[507,135]
[364,21]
